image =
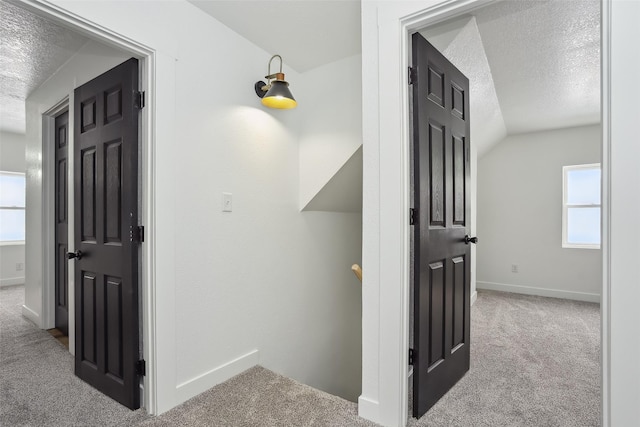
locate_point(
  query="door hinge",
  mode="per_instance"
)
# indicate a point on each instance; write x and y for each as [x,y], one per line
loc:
[412,356]
[139,100]
[141,367]
[413,75]
[136,234]
[412,216]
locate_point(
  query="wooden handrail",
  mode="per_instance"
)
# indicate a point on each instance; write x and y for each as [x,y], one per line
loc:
[357,271]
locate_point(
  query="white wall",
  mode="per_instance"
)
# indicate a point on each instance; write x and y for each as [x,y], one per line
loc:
[265,276]
[12,147]
[384,347]
[12,264]
[265,283]
[520,216]
[12,151]
[331,128]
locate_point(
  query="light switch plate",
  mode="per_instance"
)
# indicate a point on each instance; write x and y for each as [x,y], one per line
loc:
[227,202]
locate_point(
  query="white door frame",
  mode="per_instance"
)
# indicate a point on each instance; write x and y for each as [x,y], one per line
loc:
[449,10]
[147,79]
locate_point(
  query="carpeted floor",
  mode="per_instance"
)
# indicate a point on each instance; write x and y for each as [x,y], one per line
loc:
[259,397]
[37,385]
[535,362]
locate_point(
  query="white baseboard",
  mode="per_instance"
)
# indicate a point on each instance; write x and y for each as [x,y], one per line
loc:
[368,409]
[204,382]
[543,292]
[31,315]
[11,281]
[474,297]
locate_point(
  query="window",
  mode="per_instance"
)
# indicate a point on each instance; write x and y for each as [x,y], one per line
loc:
[581,206]
[12,207]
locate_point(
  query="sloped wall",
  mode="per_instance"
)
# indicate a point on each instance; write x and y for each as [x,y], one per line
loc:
[330,131]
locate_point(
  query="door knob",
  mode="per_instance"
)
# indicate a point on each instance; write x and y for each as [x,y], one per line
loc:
[77,254]
[468,240]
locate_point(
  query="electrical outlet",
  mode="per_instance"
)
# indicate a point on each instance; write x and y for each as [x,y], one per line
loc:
[20,266]
[514,268]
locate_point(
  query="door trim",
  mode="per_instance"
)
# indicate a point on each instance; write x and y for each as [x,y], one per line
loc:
[147,58]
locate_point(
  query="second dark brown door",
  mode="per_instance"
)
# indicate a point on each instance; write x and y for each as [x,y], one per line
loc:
[61,141]
[442,255]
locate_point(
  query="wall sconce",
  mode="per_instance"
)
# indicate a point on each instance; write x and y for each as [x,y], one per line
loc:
[275,93]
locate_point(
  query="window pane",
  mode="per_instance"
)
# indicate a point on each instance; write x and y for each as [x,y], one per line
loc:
[12,190]
[583,186]
[11,224]
[583,226]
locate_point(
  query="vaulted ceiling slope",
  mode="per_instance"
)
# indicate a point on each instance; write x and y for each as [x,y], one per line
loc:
[461,44]
[31,50]
[544,60]
[307,33]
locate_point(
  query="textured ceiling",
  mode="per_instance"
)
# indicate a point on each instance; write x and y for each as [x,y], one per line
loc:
[543,55]
[545,61]
[31,50]
[307,33]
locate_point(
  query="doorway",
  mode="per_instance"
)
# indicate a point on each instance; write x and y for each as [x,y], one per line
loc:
[441,222]
[446,35]
[105,49]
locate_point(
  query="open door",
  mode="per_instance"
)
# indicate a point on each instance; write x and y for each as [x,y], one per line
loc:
[106,239]
[441,225]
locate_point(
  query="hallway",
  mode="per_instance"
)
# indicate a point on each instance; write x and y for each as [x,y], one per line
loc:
[535,362]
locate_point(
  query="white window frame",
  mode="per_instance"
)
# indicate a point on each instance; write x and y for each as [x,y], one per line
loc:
[566,206]
[23,208]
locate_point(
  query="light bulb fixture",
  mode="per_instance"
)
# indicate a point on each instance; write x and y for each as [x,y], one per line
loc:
[275,93]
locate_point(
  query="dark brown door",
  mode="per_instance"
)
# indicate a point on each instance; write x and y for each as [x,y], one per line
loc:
[106,220]
[61,238]
[442,258]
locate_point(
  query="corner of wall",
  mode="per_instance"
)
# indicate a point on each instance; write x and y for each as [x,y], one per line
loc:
[31,315]
[215,376]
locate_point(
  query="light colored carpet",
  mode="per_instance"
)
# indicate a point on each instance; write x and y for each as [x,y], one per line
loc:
[535,362]
[259,397]
[37,385]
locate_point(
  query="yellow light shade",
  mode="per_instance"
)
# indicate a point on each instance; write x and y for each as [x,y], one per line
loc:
[279,96]
[279,102]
